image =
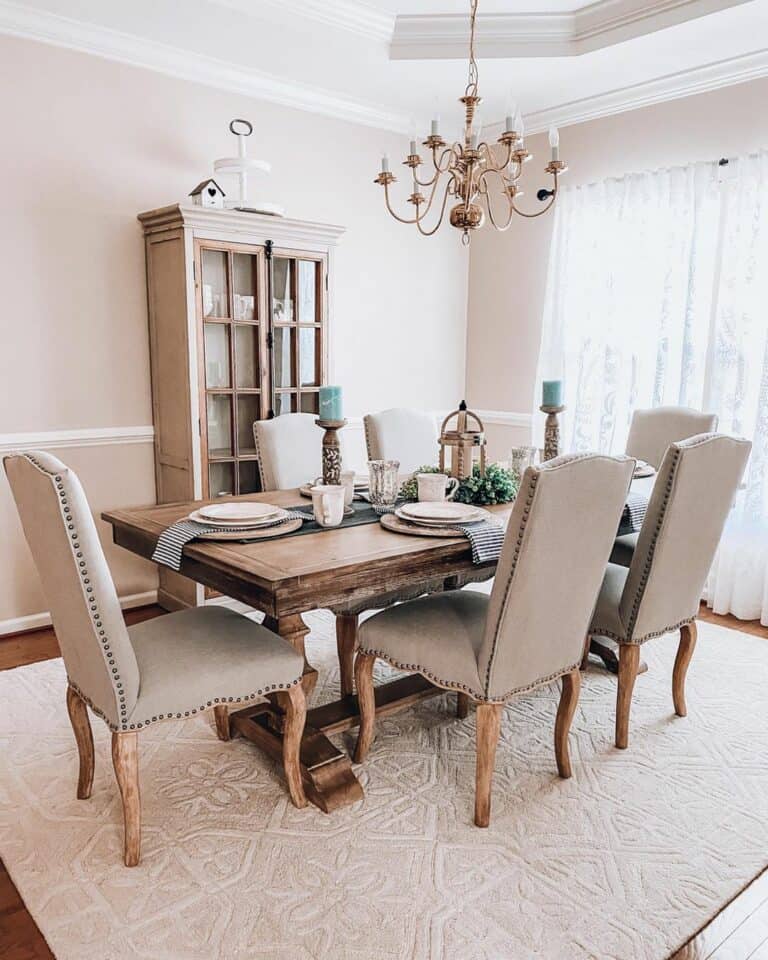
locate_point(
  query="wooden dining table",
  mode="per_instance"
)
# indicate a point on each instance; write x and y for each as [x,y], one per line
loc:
[287,576]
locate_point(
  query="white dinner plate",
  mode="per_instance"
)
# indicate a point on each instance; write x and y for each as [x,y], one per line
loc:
[437,524]
[441,511]
[643,469]
[237,512]
[256,524]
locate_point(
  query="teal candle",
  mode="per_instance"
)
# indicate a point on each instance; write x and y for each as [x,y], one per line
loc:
[551,393]
[330,403]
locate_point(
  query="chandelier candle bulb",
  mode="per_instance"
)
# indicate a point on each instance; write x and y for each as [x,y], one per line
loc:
[385,164]
[554,142]
[435,127]
[413,149]
[330,403]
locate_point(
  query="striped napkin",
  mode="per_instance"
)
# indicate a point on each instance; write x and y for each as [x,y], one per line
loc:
[634,510]
[486,539]
[172,541]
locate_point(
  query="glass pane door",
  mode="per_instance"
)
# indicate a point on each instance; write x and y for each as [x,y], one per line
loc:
[298,333]
[233,371]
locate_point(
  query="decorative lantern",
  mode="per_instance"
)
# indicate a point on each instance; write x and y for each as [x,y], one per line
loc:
[463,441]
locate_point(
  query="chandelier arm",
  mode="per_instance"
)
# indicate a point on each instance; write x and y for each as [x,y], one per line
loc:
[510,205]
[489,157]
[531,216]
[428,233]
[421,214]
[389,207]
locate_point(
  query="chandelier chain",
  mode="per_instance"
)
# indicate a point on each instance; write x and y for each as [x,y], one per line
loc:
[473,73]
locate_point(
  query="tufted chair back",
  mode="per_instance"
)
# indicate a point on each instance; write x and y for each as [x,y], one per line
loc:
[409,436]
[652,431]
[691,499]
[78,586]
[290,450]
[556,549]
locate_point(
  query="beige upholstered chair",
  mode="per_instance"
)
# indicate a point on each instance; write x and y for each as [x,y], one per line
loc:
[531,629]
[167,668]
[661,589]
[409,436]
[289,450]
[650,433]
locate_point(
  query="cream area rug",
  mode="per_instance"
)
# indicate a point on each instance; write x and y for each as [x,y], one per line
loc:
[626,860]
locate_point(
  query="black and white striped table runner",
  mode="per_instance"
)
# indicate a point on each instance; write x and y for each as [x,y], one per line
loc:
[173,540]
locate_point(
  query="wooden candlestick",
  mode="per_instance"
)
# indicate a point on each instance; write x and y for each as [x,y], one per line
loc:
[331,449]
[551,431]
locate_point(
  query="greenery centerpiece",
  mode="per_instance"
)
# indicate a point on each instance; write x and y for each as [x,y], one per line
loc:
[499,485]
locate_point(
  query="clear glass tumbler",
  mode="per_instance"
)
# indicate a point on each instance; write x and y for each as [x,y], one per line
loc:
[384,484]
[520,458]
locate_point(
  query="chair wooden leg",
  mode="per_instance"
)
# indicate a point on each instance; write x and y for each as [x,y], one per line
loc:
[125,759]
[462,705]
[81,725]
[346,641]
[366,700]
[294,703]
[221,718]
[488,729]
[688,634]
[629,661]
[569,698]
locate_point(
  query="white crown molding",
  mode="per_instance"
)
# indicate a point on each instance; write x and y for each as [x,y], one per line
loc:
[353,16]
[35,621]
[601,24]
[686,83]
[61,439]
[23,21]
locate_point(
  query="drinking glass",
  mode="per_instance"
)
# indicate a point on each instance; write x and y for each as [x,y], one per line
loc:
[384,484]
[520,458]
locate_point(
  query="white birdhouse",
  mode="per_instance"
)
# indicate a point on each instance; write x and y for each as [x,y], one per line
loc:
[208,194]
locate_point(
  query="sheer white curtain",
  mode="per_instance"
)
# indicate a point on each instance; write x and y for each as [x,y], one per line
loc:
[657,294]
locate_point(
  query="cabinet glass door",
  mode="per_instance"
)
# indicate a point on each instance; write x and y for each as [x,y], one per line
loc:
[233,372]
[297,314]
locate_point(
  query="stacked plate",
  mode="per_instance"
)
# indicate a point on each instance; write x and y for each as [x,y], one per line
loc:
[442,513]
[643,469]
[238,516]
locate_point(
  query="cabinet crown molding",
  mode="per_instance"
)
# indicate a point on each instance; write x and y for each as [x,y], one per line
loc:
[256,227]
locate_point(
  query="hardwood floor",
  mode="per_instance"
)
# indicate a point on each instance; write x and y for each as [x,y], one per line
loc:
[738,932]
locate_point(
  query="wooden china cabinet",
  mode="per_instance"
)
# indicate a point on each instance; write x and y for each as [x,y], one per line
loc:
[238,324]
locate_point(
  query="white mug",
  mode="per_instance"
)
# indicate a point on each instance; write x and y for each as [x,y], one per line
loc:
[436,486]
[348,482]
[328,504]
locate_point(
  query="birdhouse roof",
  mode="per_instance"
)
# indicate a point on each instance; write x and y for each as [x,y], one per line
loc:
[203,184]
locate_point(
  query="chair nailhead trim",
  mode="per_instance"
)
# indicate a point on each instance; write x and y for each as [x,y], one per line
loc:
[636,641]
[648,564]
[125,726]
[530,493]
[450,685]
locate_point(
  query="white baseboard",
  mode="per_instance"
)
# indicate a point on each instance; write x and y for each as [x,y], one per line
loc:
[35,621]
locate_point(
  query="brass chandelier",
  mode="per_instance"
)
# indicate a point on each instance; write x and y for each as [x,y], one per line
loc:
[470,169]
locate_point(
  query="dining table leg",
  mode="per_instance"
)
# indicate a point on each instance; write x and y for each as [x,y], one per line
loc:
[326,771]
[608,655]
[294,630]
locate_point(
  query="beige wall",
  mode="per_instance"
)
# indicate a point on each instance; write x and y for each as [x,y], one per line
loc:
[508,271]
[87,144]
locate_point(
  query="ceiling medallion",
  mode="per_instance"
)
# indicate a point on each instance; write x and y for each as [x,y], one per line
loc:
[470,170]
